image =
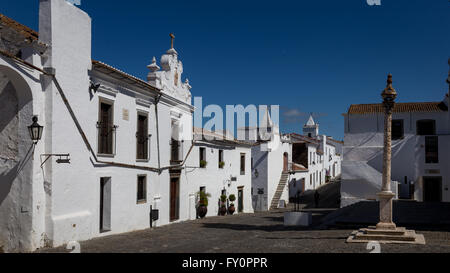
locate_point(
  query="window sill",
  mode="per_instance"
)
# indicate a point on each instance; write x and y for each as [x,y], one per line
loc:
[142,160]
[106,155]
[141,202]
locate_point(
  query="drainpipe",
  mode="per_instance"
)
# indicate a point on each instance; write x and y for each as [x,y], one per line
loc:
[49,71]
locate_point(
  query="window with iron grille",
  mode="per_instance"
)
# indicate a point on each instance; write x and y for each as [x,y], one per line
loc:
[202,157]
[175,151]
[242,164]
[106,129]
[431,149]
[397,129]
[221,162]
[142,137]
[142,189]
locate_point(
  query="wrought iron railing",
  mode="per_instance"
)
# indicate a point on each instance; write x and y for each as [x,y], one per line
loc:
[106,138]
[142,143]
[176,151]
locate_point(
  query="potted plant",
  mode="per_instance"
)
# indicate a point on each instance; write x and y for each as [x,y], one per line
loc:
[232,209]
[223,208]
[203,163]
[221,164]
[203,204]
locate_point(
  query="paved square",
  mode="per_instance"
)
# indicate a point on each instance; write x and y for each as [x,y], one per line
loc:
[247,233]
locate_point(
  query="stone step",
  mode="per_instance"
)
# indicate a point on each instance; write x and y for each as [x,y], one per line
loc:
[396,232]
[369,237]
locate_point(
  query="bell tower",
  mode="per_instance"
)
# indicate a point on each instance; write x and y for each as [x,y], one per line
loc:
[311,128]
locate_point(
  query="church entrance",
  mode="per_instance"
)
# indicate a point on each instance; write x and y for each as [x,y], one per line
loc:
[432,189]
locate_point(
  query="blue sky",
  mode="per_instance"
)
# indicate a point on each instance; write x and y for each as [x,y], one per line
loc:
[306,56]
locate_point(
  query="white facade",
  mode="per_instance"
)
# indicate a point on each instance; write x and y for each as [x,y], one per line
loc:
[215,179]
[92,112]
[411,167]
[277,158]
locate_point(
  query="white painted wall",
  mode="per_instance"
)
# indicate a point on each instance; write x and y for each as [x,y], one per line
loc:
[215,179]
[363,152]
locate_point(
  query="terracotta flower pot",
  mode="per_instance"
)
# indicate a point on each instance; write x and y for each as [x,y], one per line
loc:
[202,210]
[231,209]
[223,210]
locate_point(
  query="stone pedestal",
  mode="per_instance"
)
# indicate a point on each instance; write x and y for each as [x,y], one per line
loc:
[386,210]
[398,235]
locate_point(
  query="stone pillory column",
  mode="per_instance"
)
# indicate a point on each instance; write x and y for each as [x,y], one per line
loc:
[386,231]
[389,94]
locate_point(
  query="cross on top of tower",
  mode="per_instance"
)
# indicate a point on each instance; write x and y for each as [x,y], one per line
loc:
[172,38]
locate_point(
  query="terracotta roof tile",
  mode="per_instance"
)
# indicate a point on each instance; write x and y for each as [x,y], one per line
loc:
[105,68]
[398,108]
[27,32]
[299,167]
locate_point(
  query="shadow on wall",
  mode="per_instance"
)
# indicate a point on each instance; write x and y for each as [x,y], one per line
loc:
[398,154]
[7,177]
[9,104]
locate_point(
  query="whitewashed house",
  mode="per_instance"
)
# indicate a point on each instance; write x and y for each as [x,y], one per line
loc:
[316,156]
[114,150]
[284,166]
[219,165]
[420,145]
[270,159]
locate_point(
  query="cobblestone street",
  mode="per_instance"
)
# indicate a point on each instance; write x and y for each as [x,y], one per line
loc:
[248,233]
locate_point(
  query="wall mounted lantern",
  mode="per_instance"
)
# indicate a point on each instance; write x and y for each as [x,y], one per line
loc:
[35,130]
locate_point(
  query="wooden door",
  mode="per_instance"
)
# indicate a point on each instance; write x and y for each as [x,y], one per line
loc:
[285,162]
[174,199]
[432,189]
[240,199]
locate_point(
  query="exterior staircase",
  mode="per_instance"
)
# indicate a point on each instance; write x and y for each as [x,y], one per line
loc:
[279,191]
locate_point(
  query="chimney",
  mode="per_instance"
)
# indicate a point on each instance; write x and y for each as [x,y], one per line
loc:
[67,30]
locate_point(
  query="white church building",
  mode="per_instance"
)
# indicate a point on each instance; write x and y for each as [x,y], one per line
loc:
[420,145]
[112,153]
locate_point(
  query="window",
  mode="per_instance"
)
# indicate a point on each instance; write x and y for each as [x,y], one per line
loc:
[431,149]
[397,129]
[176,146]
[426,127]
[242,164]
[142,189]
[106,129]
[310,179]
[221,162]
[202,158]
[142,137]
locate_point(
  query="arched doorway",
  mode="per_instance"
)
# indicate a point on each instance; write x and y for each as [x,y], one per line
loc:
[16,166]
[285,162]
